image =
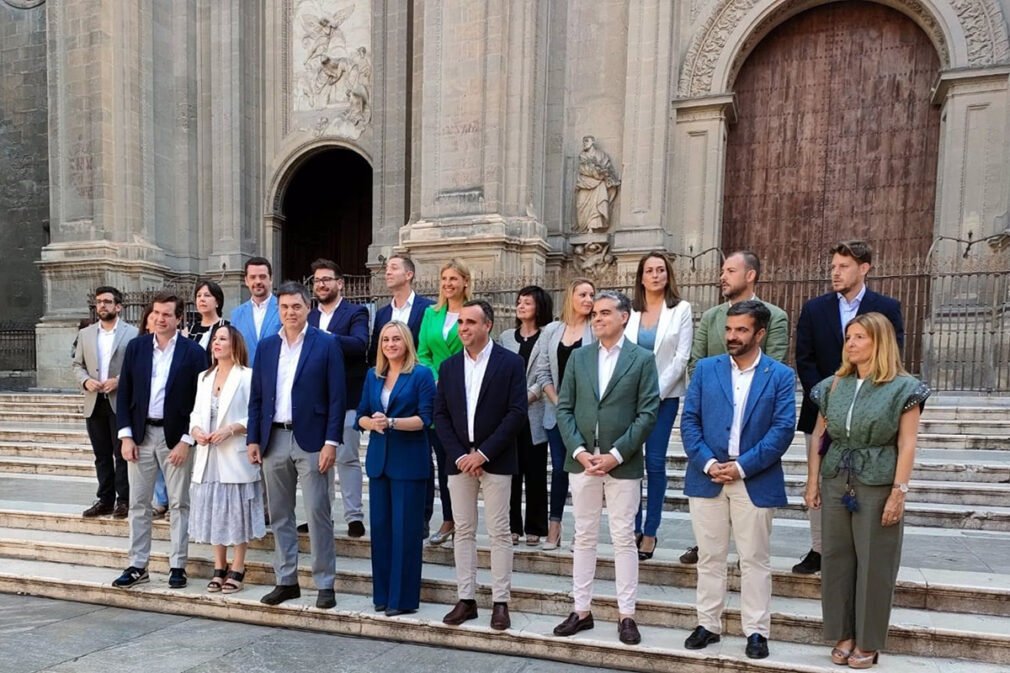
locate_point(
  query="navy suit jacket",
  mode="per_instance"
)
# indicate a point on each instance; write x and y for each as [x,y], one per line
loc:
[501,411]
[385,314]
[399,454]
[349,325]
[819,342]
[767,430]
[134,392]
[317,393]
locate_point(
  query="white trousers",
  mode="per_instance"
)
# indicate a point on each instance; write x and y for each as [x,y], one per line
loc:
[623,496]
[712,520]
[463,489]
[814,515]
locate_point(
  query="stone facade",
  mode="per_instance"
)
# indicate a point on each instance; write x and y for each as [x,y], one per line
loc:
[175,128]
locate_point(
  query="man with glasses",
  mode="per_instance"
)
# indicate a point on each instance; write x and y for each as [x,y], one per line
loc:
[349,324]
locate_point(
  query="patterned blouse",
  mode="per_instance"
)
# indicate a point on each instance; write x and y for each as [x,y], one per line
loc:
[869,448]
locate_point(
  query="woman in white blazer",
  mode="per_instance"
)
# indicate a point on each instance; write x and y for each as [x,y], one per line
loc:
[661,322]
[226,500]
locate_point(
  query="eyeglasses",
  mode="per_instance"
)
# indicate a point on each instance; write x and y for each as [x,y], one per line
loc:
[111,302]
[328,279]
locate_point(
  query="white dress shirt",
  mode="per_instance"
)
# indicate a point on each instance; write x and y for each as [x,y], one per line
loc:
[450,320]
[847,310]
[473,379]
[287,363]
[161,365]
[105,340]
[325,318]
[606,363]
[741,380]
[259,312]
[402,313]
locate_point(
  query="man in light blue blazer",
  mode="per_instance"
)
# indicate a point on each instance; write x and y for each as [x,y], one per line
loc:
[296,423]
[257,318]
[739,418]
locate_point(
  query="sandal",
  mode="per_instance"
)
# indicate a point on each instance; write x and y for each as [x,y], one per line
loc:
[215,584]
[233,583]
[532,540]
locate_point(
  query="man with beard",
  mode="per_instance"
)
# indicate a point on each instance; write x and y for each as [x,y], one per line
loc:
[97,361]
[820,334]
[739,418]
[258,317]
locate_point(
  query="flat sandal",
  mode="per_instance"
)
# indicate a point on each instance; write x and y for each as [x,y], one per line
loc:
[234,582]
[215,584]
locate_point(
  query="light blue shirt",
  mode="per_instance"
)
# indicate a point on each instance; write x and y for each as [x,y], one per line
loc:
[847,310]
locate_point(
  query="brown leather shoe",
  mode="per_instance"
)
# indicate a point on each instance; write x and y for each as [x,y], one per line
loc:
[500,617]
[463,612]
[121,511]
[573,625]
[98,509]
[627,631]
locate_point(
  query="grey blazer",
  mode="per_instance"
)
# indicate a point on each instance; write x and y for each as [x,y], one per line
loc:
[86,359]
[536,409]
[546,369]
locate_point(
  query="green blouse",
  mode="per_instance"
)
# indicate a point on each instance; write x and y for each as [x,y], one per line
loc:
[869,448]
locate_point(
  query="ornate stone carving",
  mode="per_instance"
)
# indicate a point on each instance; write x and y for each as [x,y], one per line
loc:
[24,4]
[591,255]
[596,187]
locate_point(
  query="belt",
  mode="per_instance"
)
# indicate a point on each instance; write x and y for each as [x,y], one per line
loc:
[156,422]
[283,426]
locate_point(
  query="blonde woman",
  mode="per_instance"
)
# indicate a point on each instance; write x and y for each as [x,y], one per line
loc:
[870,411]
[436,341]
[560,339]
[226,498]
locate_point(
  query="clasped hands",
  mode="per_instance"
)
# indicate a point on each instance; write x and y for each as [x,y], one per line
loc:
[215,437]
[723,473]
[107,386]
[379,422]
[327,456]
[597,465]
[177,456]
[472,464]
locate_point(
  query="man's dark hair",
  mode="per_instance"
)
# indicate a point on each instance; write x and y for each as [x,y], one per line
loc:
[750,260]
[215,291]
[169,297]
[856,249]
[755,309]
[108,289]
[408,263]
[294,287]
[541,300]
[619,298]
[327,264]
[485,307]
[257,261]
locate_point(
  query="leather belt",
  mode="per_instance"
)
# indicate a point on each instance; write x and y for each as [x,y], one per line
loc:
[283,426]
[156,422]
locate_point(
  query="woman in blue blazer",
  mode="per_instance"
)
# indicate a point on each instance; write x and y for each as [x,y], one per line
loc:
[396,408]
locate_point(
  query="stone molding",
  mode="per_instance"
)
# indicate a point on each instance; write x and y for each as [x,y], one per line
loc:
[24,4]
[291,156]
[966,33]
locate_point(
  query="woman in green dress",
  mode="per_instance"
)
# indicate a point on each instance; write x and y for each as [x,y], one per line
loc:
[870,411]
[436,341]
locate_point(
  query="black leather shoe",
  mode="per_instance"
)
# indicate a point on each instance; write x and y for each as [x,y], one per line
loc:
[500,620]
[380,607]
[130,577]
[810,564]
[627,631]
[393,612]
[757,646]
[701,638]
[281,593]
[176,578]
[690,557]
[98,509]
[463,612]
[121,510]
[302,528]
[573,625]
[356,529]
[326,599]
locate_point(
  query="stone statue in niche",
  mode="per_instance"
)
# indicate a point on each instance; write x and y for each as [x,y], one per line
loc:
[593,258]
[595,188]
[359,88]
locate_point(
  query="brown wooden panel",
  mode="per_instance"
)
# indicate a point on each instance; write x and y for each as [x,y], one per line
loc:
[836,137]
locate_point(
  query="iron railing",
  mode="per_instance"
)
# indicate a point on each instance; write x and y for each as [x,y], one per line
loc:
[17,347]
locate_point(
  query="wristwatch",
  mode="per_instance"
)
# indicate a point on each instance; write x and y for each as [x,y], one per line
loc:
[392,426]
[901,487]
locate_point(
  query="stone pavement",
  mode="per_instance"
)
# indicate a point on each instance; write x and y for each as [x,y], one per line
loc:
[41,634]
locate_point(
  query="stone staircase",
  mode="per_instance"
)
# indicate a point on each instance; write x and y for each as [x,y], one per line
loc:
[952,604]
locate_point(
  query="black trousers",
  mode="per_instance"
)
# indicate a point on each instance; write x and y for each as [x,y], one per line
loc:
[113,484]
[532,471]
[443,482]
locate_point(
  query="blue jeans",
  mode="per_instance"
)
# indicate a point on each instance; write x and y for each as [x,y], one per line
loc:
[559,478]
[655,467]
[160,490]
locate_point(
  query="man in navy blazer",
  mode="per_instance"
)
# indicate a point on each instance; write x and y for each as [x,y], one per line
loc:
[480,409]
[406,305]
[258,317]
[739,418]
[820,335]
[348,323]
[157,389]
[296,422]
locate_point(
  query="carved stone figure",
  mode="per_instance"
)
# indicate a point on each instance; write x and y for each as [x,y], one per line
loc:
[359,88]
[593,258]
[595,188]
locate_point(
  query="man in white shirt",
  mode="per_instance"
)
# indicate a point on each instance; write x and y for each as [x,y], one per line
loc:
[480,409]
[258,317]
[738,420]
[97,360]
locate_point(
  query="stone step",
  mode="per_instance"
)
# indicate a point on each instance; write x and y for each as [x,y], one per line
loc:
[662,650]
[913,632]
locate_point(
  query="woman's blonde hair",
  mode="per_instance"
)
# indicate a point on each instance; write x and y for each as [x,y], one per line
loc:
[885,362]
[409,358]
[463,270]
[568,305]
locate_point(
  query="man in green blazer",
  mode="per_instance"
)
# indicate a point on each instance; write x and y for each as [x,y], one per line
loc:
[607,406]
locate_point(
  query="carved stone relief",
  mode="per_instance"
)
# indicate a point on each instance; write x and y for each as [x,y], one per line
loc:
[23,4]
[596,186]
[332,66]
[591,255]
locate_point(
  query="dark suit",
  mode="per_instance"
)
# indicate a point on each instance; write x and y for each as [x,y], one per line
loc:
[398,464]
[819,341]
[385,314]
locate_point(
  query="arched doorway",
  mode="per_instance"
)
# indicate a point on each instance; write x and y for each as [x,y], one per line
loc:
[835,138]
[327,209]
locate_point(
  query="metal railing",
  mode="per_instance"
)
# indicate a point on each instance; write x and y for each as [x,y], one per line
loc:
[17,347]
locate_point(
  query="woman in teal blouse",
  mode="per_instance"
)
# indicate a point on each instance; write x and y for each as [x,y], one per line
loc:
[870,411]
[436,341]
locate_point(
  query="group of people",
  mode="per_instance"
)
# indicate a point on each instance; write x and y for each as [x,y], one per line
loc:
[280,394]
